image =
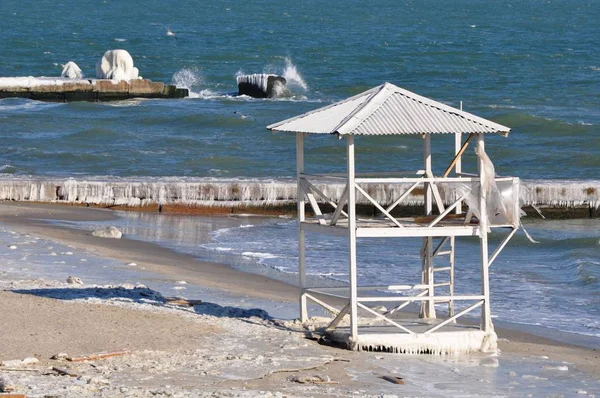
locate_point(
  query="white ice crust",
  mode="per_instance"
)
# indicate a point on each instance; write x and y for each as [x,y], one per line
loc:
[71,71]
[30,81]
[238,192]
[116,65]
[441,343]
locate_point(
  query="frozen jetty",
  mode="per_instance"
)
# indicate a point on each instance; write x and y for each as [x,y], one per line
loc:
[59,89]
[260,85]
[557,198]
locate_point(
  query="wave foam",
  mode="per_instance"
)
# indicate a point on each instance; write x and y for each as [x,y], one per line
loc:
[189,78]
[290,72]
[258,255]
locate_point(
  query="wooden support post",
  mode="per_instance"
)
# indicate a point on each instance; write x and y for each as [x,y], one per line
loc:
[352,238]
[427,307]
[301,218]
[486,319]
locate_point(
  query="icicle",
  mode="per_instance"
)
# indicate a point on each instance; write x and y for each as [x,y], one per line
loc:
[437,343]
[259,192]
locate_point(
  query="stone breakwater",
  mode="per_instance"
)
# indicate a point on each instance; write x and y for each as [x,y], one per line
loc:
[92,90]
[557,198]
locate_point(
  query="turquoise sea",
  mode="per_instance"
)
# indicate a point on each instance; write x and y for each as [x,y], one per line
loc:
[531,65]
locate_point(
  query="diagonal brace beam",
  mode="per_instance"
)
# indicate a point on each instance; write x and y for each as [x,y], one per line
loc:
[402,197]
[381,209]
[338,211]
[324,197]
[399,307]
[501,246]
[451,319]
[313,202]
[323,304]
[339,317]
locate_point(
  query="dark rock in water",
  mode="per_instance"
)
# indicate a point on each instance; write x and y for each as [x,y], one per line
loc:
[260,85]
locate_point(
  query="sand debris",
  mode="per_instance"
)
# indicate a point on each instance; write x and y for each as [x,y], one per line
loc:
[95,357]
[316,379]
[393,379]
[64,372]
[60,355]
[182,301]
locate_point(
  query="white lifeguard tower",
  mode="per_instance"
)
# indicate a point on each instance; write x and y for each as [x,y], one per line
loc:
[461,205]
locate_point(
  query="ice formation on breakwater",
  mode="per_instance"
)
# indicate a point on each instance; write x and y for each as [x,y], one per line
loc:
[71,71]
[209,192]
[116,65]
[31,82]
[61,89]
[260,85]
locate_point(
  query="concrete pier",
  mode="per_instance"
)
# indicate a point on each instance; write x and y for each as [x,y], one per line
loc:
[91,90]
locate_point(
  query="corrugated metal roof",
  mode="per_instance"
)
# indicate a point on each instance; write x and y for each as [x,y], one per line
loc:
[387,110]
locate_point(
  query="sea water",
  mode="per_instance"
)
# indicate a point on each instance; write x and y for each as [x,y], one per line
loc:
[530,65]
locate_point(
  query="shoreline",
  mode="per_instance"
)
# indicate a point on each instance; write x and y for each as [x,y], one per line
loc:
[151,256]
[27,218]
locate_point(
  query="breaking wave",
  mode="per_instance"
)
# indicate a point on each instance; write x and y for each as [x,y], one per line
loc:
[190,78]
[293,77]
[193,80]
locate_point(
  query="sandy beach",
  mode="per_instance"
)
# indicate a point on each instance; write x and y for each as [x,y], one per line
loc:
[212,349]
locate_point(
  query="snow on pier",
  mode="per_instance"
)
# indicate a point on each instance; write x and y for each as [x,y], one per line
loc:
[208,192]
[62,89]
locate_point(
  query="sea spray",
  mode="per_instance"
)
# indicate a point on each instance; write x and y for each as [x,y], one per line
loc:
[293,77]
[295,87]
[190,78]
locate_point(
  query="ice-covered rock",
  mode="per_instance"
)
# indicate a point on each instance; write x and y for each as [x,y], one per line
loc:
[73,280]
[108,232]
[116,65]
[260,85]
[71,70]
